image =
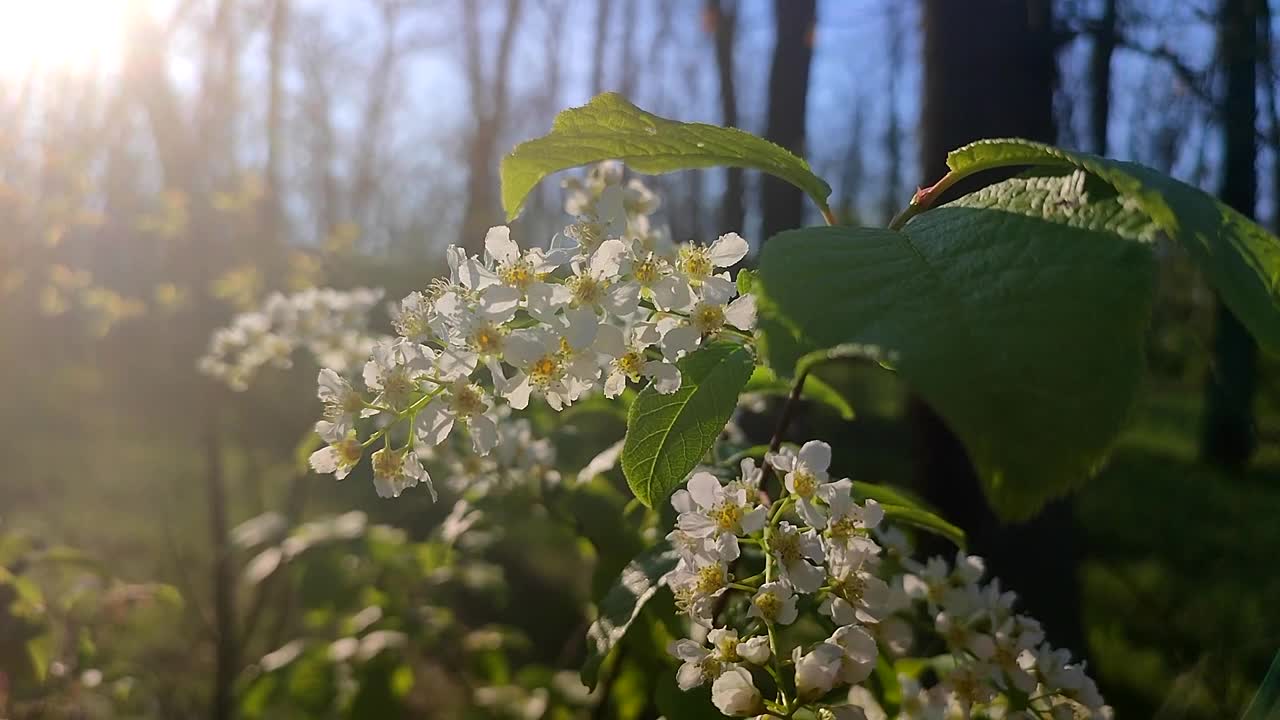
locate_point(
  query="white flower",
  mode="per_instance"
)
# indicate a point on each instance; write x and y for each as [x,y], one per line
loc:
[394,372]
[857,595]
[699,665]
[463,402]
[540,357]
[817,670]
[394,471]
[342,405]
[969,685]
[518,270]
[627,360]
[708,509]
[792,550]
[806,472]
[699,262]
[698,550]
[755,650]
[338,457]
[775,603]
[1003,648]
[709,316]
[735,694]
[595,282]
[749,476]
[696,586]
[849,524]
[859,653]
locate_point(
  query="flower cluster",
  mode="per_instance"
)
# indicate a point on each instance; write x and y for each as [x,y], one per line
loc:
[612,304]
[818,550]
[331,325]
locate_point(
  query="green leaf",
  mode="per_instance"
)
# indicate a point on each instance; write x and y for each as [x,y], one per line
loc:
[1240,259]
[668,434]
[611,128]
[1019,320]
[764,381]
[635,586]
[925,520]
[40,653]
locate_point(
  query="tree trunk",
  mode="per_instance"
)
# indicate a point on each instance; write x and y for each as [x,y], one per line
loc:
[489,109]
[1228,436]
[788,92]
[1104,45]
[989,71]
[723,19]
[603,10]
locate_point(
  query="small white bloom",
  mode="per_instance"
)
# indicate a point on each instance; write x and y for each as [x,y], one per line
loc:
[625,350]
[708,509]
[775,603]
[696,586]
[700,262]
[857,594]
[735,694]
[754,650]
[596,284]
[395,371]
[342,405]
[699,665]
[461,402]
[394,471]
[817,670]
[338,457]
[806,473]
[709,316]
[859,653]
[793,550]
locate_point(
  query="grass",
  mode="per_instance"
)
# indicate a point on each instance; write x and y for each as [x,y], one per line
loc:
[1181,583]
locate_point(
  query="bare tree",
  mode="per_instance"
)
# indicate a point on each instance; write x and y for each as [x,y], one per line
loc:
[1104,45]
[722,17]
[489,111]
[788,103]
[990,71]
[604,10]
[1229,436]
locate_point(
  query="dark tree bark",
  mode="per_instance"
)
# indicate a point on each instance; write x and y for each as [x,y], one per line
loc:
[788,93]
[722,17]
[1228,437]
[989,71]
[892,202]
[1104,45]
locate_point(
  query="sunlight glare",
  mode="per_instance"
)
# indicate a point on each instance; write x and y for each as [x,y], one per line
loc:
[61,35]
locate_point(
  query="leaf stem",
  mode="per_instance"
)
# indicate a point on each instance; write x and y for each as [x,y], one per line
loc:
[927,196]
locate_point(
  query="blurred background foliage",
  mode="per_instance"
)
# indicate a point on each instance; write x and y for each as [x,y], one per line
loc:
[166,164]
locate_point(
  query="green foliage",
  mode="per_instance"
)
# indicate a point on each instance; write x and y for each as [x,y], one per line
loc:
[668,434]
[611,128]
[620,607]
[1240,259]
[1022,331]
[764,381]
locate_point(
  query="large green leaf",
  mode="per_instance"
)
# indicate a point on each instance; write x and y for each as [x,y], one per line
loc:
[620,607]
[668,434]
[1240,259]
[1016,312]
[611,128]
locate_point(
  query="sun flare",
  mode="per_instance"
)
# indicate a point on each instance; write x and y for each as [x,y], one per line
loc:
[65,35]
